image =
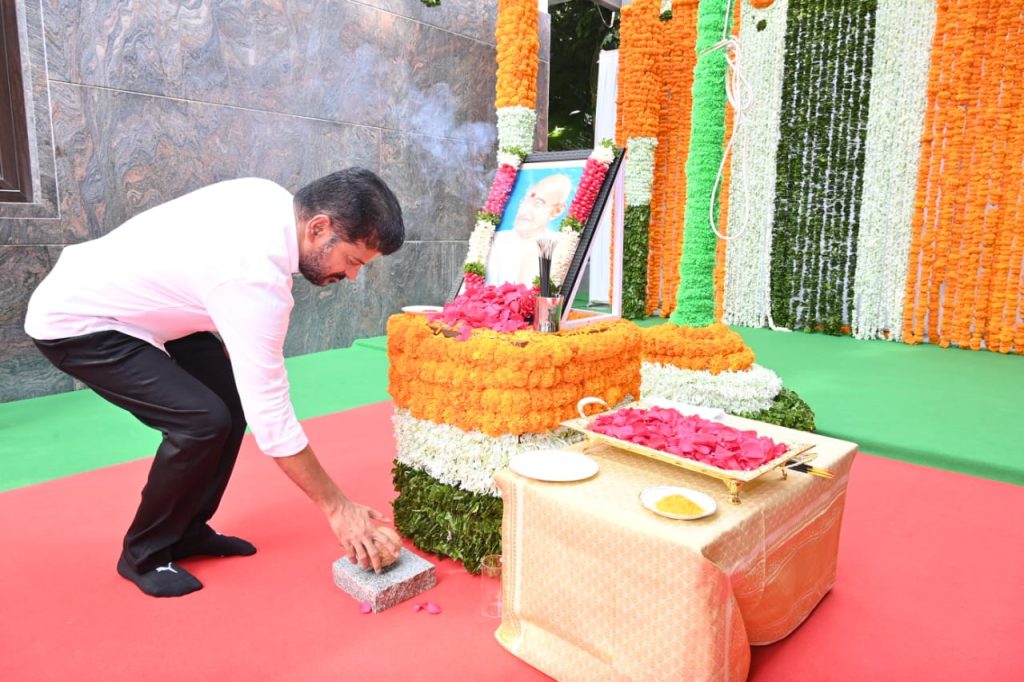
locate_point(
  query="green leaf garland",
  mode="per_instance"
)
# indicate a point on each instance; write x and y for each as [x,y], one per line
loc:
[634,261]
[445,520]
[820,162]
[789,410]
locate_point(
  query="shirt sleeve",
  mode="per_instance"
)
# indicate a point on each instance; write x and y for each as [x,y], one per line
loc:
[252,319]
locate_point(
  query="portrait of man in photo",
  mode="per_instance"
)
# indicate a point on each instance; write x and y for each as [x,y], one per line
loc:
[536,207]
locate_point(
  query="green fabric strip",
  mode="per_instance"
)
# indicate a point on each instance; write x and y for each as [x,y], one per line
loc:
[820,162]
[695,299]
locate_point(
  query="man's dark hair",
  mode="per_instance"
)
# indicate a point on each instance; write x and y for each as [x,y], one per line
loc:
[362,208]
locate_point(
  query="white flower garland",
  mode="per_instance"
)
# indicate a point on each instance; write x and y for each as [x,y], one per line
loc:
[603,154]
[561,259]
[752,188]
[639,170]
[466,460]
[480,242]
[899,88]
[752,390]
[509,159]
[516,127]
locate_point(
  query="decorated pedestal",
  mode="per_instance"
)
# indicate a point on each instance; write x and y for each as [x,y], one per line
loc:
[463,408]
[712,367]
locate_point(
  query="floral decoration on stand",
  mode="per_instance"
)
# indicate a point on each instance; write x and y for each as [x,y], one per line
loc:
[462,409]
[503,308]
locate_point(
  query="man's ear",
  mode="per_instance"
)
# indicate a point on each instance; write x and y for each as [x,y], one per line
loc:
[318,228]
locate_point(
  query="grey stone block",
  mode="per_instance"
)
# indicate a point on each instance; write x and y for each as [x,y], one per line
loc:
[409,576]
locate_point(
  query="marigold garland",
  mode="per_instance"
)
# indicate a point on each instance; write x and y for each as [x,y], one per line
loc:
[665,232]
[509,383]
[964,284]
[714,348]
[518,44]
[639,83]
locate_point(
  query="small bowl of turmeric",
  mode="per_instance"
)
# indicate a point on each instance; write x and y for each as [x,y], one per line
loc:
[677,503]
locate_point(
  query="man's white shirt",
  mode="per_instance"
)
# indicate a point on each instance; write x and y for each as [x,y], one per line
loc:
[219,259]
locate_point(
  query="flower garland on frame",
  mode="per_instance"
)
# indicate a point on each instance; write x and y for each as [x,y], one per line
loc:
[595,170]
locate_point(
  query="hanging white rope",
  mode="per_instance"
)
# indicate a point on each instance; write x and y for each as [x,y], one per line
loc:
[741,98]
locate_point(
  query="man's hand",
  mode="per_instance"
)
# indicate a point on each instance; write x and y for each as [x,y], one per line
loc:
[351,522]
[359,537]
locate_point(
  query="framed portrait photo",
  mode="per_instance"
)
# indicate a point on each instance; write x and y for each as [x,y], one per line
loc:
[545,186]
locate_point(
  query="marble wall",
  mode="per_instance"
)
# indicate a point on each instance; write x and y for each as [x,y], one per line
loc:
[138,102]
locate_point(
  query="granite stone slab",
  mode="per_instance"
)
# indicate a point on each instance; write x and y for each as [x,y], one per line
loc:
[409,576]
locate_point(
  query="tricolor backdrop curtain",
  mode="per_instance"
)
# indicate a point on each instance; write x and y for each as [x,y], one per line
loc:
[882,163]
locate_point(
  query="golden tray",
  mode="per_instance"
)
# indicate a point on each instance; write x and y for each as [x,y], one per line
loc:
[734,480]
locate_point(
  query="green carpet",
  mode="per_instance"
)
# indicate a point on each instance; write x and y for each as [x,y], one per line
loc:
[59,435]
[942,407]
[945,408]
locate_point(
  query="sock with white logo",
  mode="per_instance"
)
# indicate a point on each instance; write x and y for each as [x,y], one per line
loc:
[169,580]
[209,542]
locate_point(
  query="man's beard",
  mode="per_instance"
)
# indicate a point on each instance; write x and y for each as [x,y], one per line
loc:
[313,266]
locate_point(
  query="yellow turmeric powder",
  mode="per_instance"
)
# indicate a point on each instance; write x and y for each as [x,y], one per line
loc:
[678,504]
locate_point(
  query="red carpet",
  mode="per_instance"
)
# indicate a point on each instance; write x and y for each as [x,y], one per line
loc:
[931,570]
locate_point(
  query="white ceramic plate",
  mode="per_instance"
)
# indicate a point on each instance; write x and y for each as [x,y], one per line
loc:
[422,309]
[649,498]
[553,465]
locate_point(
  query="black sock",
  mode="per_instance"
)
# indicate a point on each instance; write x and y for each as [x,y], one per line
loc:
[211,543]
[163,581]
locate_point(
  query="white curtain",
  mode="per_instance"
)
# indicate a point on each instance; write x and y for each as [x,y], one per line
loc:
[604,129]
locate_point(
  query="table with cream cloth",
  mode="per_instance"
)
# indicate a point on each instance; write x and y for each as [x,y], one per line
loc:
[596,587]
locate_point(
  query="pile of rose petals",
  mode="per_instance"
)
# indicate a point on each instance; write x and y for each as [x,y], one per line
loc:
[689,437]
[504,308]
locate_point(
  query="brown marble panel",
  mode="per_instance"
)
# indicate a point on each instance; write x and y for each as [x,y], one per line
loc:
[24,372]
[314,58]
[441,183]
[472,18]
[22,268]
[335,316]
[123,153]
[433,81]
[34,222]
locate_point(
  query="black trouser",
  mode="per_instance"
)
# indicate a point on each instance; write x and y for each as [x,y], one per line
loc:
[190,397]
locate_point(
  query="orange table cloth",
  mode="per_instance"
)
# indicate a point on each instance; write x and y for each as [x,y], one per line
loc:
[596,587]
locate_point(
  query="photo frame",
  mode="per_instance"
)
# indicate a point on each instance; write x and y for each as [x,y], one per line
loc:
[544,188]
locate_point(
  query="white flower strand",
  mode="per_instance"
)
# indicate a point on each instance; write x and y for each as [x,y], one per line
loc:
[899,88]
[568,240]
[480,242]
[466,459]
[639,170]
[751,390]
[748,257]
[516,127]
[509,159]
